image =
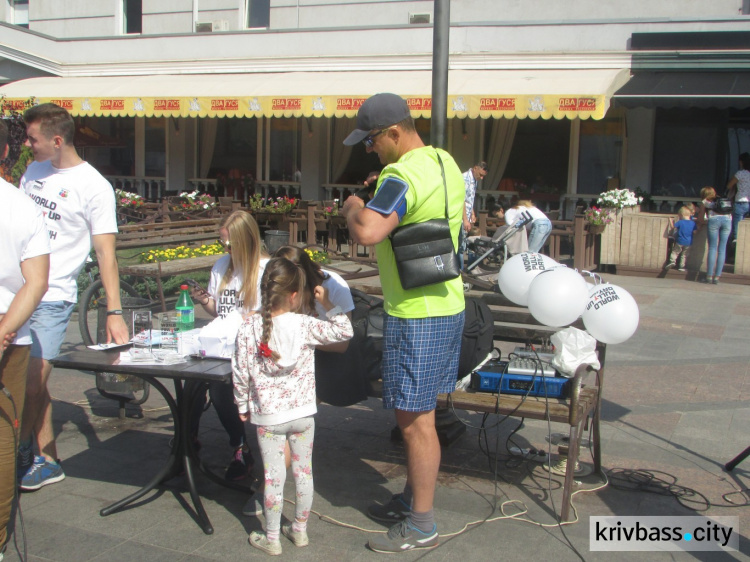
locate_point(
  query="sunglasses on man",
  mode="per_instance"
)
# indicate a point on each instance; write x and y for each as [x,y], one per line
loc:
[369,140]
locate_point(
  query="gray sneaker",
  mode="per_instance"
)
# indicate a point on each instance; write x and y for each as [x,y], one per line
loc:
[402,537]
[394,511]
[299,539]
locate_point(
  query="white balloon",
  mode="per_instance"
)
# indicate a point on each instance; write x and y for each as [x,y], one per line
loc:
[611,314]
[518,272]
[557,297]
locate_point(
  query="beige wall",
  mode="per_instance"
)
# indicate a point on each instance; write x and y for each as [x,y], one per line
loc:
[94,18]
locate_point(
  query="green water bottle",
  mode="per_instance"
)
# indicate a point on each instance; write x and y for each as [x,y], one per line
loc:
[185,310]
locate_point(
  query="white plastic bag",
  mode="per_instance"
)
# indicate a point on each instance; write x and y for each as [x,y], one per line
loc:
[217,338]
[573,347]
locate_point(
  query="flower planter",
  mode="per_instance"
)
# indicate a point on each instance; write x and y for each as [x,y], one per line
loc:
[610,245]
[596,228]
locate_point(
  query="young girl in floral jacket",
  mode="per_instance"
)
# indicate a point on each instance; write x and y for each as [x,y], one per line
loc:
[274,382]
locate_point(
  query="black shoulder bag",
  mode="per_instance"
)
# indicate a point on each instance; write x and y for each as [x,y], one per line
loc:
[424,251]
[723,205]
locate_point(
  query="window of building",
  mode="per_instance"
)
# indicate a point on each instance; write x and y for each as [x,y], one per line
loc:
[156,147]
[539,157]
[686,151]
[258,13]
[132,13]
[285,156]
[738,141]
[599,153]
[236,148]
[20,13]
[107,143]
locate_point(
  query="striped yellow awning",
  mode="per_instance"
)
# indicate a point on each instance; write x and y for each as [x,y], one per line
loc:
[471,93]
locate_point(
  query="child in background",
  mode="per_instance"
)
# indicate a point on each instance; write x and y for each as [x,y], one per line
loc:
[683,234]
[274,381]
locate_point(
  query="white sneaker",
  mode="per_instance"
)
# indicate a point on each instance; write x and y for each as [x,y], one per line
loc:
[299,539]
[261,542]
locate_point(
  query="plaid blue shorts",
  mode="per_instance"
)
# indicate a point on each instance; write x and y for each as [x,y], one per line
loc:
[420,360]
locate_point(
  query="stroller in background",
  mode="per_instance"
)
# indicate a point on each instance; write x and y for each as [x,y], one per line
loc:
[487,255]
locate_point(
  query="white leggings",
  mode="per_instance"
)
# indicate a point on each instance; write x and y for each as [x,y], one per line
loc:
[271,439]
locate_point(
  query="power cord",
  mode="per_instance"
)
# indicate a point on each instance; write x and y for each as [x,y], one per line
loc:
[549,465]
[659,483]
[538,366]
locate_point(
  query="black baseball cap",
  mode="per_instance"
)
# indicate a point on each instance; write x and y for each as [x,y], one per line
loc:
[377,112]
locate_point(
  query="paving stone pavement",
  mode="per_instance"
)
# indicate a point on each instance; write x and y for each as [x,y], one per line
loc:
[677,407]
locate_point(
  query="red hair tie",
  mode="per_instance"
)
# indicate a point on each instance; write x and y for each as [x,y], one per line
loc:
[264,350]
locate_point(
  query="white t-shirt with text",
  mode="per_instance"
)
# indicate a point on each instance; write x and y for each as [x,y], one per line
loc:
[23,236]
[77,203]
[227,300]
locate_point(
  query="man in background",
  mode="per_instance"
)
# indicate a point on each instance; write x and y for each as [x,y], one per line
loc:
[471,178]
[24,269]
[79,209]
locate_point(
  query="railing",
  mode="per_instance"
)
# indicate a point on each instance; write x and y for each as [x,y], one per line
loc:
[483,196]
[206,185]
[573,232]
[148,187]
[668,204]
[277,189]
[340,191]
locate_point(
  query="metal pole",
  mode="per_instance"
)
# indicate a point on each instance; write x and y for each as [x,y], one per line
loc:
[440,41]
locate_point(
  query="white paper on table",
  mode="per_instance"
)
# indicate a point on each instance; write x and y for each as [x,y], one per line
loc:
[171,359]
[106,346]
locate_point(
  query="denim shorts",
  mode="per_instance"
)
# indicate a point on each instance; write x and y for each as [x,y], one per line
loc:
[420,360]
[48,325]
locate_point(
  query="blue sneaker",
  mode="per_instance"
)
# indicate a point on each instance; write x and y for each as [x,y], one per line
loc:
[24,461]
[41,473]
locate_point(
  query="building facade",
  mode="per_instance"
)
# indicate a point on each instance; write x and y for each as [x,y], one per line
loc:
[562,99]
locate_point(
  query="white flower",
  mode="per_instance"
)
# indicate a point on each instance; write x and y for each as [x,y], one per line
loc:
[618,198]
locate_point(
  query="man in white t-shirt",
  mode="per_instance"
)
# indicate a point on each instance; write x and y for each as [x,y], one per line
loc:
[24,269]
[79,209]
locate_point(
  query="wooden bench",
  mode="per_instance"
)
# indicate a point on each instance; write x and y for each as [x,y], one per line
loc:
[515,324]
[159,270]
[167,233]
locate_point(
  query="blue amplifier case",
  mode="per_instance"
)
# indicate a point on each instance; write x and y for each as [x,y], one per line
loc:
[493,379]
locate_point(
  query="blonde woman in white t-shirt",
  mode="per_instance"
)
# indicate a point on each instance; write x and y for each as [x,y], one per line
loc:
[234,283]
